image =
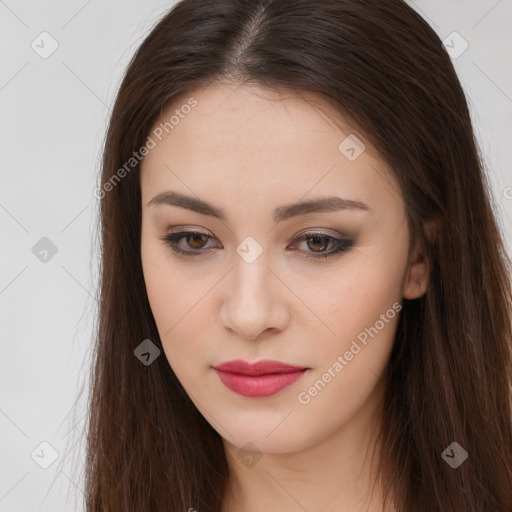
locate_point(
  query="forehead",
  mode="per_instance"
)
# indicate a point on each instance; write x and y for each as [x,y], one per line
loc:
[241,142]
[243,116]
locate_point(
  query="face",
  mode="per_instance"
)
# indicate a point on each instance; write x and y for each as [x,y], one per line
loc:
[251,269]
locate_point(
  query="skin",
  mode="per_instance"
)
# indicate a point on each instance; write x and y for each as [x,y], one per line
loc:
[247,151]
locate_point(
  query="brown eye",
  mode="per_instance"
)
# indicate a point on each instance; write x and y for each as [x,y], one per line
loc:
[193,243]
[197,240]
[318,243]
[189,243]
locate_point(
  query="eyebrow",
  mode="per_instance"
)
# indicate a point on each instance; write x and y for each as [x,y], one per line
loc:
[325,204]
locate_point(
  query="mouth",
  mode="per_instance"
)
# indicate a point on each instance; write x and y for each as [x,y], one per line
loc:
[258,380]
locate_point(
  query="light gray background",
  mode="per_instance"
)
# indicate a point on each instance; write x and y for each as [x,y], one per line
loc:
[53,119]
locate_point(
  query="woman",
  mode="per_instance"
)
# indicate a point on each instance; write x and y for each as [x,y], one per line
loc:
[305,299]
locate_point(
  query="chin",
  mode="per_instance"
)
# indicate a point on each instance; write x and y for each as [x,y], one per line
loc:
[263,436]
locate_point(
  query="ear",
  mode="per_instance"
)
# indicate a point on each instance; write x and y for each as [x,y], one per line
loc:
[417,276]
[418,271]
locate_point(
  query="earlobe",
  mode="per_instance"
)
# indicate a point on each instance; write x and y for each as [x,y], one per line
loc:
[416,285]
[418,273]
[416,281]
[415,288]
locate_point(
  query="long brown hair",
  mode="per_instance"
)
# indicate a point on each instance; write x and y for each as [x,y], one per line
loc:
[449,380]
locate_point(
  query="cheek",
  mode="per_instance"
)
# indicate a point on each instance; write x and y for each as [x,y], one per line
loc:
[363,310]
[361,306]
[179,301]
[351,298]
[350,361]
[176,307]
[178,317]
[170,291]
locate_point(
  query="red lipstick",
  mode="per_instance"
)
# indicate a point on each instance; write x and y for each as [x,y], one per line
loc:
[261,379]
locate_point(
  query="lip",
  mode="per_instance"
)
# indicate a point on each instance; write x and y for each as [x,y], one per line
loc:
[258,380]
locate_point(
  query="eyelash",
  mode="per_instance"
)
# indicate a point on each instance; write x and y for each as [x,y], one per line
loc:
[341,244]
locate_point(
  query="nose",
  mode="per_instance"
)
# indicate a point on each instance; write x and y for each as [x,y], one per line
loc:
[254,301]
